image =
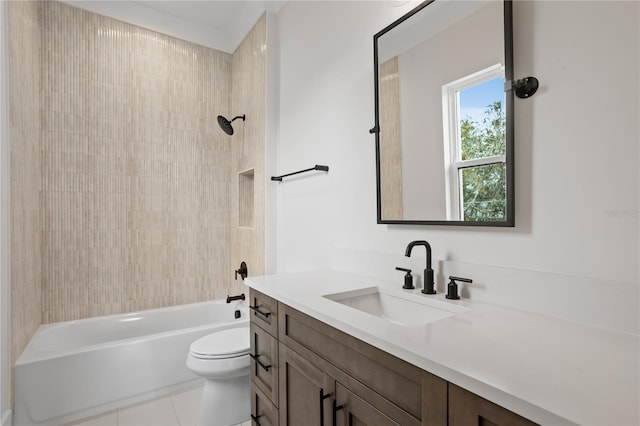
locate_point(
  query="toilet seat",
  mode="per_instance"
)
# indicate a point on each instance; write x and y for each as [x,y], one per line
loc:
[223,344]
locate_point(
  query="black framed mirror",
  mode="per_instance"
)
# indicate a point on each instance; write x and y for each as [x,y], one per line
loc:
[444,115]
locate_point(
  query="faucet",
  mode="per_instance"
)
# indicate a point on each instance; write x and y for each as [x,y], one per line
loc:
[238,297]
[429,285]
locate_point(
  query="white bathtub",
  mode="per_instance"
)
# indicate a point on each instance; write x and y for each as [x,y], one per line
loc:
[75,369]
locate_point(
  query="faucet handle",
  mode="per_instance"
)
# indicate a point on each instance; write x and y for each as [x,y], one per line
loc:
[408,278]
[243,271]
[452,287]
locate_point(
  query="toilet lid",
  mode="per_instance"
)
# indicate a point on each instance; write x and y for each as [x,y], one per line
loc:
[228,343]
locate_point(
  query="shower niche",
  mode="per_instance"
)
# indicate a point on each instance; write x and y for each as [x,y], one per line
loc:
[245,199]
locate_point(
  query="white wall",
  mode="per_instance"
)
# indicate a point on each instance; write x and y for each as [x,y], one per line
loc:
[478,43]
[271,135]
[576,143]
[5,338]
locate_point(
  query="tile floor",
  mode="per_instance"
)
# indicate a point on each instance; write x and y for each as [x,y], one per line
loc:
[180,409]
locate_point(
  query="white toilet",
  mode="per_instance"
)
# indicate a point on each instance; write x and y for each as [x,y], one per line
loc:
[222,359]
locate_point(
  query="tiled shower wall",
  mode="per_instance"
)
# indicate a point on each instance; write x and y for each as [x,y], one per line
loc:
[390,137]
[248,81]
[136,171]
[24,134]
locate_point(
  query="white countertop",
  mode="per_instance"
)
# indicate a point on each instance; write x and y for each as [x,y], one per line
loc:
[549,370]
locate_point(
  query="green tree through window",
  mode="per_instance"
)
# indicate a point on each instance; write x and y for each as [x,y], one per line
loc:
[484,188]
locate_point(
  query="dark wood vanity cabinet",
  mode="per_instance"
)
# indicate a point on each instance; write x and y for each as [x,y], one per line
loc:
[305,394]
[363,382]
[264,363]
[264,312]
[353,410]
[468,409]
[310,396]
[263,330]
[326,377]
[263,411]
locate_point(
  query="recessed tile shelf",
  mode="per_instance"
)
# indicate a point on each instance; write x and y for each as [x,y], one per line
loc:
[245,199]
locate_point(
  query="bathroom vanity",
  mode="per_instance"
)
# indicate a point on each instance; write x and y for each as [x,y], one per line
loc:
[319,359]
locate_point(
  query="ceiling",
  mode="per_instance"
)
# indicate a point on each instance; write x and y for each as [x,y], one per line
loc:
[216,14]
[219,24]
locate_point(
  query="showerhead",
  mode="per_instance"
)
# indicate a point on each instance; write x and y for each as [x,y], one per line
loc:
[226,124]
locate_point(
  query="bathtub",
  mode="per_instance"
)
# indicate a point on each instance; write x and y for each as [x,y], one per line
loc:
[76,369]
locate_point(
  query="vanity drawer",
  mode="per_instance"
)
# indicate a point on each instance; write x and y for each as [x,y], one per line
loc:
[263,412]
[264,362]
[264,311]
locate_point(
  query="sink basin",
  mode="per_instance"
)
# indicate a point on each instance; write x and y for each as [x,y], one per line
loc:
[396,306]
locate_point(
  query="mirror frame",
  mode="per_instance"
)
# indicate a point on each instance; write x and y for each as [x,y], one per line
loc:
[509,130]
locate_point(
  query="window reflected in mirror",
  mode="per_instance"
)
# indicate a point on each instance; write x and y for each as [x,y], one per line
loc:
[475,146]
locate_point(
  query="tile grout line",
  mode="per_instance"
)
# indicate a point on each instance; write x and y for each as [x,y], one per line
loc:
[175,411]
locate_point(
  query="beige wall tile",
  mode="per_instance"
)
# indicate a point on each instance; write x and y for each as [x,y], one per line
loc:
[25,165]
[390,137]
[248,88]
[136,173]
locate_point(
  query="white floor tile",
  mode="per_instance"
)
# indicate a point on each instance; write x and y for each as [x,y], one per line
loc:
[159,412]
[187,406]
[110,419]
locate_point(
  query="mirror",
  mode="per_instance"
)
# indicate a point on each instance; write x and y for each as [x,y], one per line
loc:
[444,121]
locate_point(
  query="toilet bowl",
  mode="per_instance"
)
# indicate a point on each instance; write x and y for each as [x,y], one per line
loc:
[222,359]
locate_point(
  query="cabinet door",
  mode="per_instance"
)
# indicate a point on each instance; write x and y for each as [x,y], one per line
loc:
[305,391]
[351,410]
[469,409]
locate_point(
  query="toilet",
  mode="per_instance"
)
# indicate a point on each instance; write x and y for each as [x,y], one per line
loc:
[222,359]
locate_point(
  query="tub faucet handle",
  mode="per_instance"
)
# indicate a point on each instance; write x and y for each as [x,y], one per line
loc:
[243,271]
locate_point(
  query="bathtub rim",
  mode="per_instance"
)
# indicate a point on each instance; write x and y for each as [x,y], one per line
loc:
[30,355]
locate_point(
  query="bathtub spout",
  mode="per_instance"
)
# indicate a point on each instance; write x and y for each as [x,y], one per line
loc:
[238,297]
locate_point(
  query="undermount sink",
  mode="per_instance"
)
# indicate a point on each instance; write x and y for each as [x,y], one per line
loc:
[396,306]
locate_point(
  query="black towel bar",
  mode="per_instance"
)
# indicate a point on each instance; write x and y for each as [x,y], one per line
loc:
[316,167]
